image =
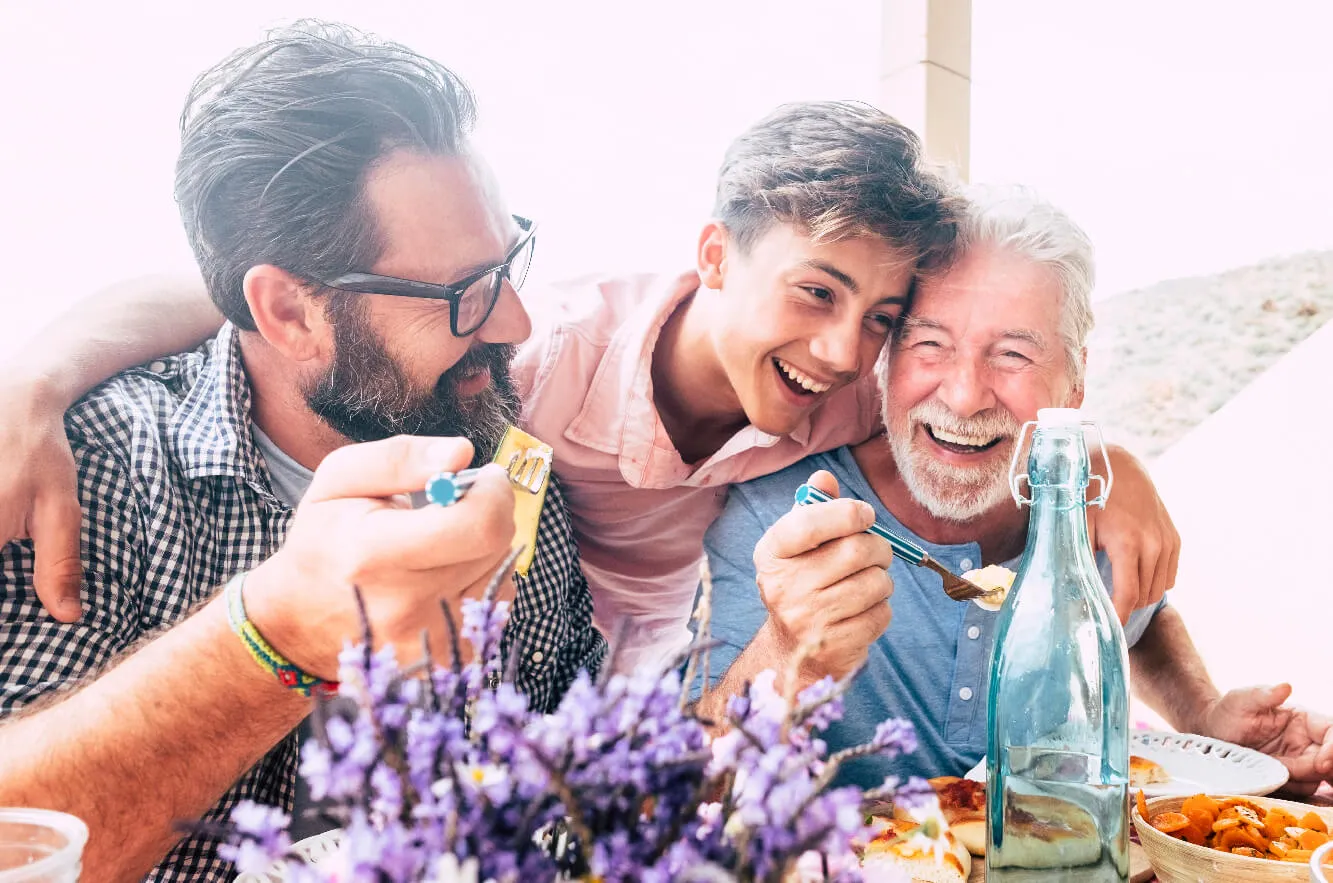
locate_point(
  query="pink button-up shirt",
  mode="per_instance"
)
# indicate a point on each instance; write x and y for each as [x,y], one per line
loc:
[639,511]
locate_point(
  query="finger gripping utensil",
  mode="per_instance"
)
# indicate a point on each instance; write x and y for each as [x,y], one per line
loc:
[955,586]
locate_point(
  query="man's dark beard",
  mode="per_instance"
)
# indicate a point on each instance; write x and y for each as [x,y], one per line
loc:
[365,396]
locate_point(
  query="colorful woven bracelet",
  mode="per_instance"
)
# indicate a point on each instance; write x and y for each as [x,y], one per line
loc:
[288,673]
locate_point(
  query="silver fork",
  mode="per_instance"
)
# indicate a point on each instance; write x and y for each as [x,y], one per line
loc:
[955,586]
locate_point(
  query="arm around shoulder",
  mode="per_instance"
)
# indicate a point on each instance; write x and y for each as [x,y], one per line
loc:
[1137,534]
[123,325]
[108,332]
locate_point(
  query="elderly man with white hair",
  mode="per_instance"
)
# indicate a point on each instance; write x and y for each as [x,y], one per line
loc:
[984,345]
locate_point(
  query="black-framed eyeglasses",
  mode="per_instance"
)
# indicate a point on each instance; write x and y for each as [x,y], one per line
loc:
[471,299]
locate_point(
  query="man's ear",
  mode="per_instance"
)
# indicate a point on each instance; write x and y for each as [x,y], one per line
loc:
[287,317]
[714,241]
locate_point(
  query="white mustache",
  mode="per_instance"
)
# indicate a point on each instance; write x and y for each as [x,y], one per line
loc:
[992,423]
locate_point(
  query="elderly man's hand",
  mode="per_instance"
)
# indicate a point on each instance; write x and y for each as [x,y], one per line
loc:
[356,527]
[1137,535]
[1256,718]
[39,496]
[825,582]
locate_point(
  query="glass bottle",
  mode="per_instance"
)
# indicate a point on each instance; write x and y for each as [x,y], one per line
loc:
[1057,765]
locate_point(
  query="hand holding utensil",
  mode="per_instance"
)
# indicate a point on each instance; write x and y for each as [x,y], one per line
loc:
[955,586]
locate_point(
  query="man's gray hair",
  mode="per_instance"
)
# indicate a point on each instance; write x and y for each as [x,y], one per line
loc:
[1019,221]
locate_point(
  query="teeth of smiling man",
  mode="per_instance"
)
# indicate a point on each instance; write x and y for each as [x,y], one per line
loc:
[804,380]
[970,441]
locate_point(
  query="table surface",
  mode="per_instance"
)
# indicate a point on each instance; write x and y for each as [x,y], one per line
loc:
[1140,871]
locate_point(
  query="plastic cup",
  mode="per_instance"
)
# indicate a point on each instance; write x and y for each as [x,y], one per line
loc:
[40,846]
[1319,870]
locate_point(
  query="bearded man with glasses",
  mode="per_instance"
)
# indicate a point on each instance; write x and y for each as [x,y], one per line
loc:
[364,394]
[367,267]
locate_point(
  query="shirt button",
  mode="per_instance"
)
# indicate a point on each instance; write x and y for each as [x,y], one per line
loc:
[538,656]
[974,632]
[965,694]
[965,564]
[157,367]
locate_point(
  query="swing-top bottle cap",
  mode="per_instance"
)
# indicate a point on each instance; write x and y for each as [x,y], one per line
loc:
[1059,418]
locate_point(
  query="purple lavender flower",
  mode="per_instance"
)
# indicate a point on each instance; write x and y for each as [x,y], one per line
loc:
[825,706]
[915,793]
[499,718]
[483,625]
[894,737]
[338,766]
[261,837]
[451,771]
[387,790]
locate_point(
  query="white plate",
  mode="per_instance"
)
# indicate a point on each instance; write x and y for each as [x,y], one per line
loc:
[1200,764]
[1197,764]
[312,849]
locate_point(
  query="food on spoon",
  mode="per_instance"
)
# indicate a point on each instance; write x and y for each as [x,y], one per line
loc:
[994,578]
[1144,772]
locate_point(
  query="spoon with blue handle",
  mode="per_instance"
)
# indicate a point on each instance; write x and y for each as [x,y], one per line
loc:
[955,586]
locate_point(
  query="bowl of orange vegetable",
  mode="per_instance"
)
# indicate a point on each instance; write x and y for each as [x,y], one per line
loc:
[1226,839]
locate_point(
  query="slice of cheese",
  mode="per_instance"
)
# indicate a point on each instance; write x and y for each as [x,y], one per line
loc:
[528,460]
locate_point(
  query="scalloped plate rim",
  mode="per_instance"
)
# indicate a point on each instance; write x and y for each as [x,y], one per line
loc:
[313,849]
[1263,774]
[1150,744]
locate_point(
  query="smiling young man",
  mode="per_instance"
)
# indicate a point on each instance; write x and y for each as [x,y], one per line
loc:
[657,392]
[986,344]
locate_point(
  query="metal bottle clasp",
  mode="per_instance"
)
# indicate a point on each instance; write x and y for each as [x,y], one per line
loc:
[1016,478]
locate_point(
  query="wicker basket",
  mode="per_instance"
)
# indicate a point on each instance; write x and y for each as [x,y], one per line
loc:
[1176,861]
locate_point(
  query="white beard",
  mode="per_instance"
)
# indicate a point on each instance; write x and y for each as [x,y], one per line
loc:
[952,493]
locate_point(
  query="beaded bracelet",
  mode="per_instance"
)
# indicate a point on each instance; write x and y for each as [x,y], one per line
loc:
[288,673]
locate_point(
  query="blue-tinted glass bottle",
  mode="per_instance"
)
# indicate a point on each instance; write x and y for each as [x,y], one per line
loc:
[1057,764]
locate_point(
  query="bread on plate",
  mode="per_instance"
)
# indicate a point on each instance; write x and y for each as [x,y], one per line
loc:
[963,805]
[895,850]
[1144,772]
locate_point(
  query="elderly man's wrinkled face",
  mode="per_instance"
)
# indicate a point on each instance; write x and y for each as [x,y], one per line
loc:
[396,366]
[978,355]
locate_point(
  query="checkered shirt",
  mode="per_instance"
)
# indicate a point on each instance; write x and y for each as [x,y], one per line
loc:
[176,499]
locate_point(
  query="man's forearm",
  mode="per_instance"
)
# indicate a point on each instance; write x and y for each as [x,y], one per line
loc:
[1169,675]
[116,328]
[763,652]
[157,739]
